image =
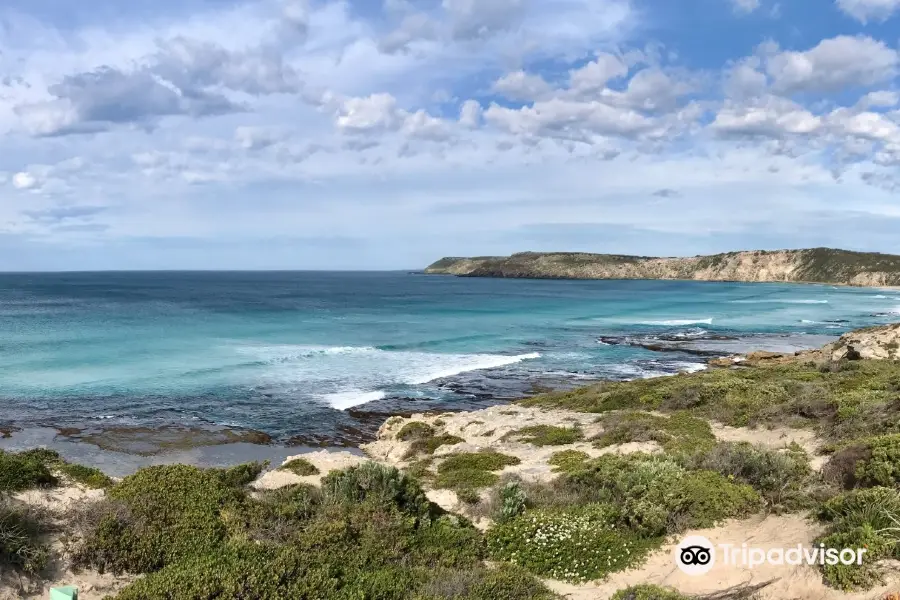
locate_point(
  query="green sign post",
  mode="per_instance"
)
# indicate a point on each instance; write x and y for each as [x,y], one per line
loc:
[69,592]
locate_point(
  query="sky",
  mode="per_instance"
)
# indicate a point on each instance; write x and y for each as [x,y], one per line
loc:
[384,134]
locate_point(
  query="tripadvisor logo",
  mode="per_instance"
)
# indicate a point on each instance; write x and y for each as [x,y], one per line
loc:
[696,555]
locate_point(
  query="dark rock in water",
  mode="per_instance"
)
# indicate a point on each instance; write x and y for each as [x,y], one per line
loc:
[668,344]
[149,441]
[838,321]
[6,431]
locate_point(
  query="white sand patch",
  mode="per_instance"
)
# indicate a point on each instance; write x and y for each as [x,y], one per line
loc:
[792,582]
[323,460]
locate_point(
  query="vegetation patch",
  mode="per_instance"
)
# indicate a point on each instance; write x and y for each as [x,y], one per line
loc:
[678,433]
[845,401]
[657,495]
[368,533]
[649,592]
[547,435]
[471,471]
[301,467]
[579,544]
[568,460]
[415,430]
[865,518]
[870,462]
[21,530]
[160,515]
[781,477]
[23,471]
[428,445]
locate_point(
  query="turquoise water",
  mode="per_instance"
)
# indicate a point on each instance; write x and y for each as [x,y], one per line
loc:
[311,354]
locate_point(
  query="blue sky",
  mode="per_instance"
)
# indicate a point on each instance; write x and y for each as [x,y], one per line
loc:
[383,134]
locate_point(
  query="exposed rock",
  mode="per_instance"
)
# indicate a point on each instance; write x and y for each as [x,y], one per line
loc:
[880,343]
[821,265]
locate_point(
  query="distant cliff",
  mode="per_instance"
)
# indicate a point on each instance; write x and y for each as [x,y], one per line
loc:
[816,265]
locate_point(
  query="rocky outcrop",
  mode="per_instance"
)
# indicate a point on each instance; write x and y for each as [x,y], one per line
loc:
[817,265]
[881,342]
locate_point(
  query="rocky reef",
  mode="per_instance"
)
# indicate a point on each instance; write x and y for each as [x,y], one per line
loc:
[816,265]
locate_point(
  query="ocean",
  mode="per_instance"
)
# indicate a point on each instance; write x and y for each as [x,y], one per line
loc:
[322,357]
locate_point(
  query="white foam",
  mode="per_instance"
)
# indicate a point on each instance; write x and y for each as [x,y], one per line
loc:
[679,322]
[771,301]
[346,376]
[350,398]
[474,362]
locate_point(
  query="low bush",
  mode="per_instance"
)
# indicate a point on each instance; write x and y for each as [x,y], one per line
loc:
[505,582]
[511,502]
[23,471]
[780,476]
[547,435]
[649,592]
[161,515]
[471,471]
[864,518]
[578,544]
[680,433]
[301,467]
[415,430]
[87,476]
[21,530]
[379,485]
[659,496]
[428,445]
[568,460]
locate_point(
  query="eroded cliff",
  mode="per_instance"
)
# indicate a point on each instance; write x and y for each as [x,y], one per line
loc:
[816,265]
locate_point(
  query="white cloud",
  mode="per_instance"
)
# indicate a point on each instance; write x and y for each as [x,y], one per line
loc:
[833,64]
[520,85]
[594,76]
[869,10]
[770,116]
[24,181]
[745,6]
[480,18]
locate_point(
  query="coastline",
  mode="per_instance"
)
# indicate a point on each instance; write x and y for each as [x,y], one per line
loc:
[465,460]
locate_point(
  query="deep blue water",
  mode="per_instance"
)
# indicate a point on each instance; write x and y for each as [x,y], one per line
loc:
[289,353]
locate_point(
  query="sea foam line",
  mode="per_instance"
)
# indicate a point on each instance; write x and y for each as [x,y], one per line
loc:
[679,322]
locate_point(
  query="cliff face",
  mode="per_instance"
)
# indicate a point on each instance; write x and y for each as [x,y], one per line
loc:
[817,265]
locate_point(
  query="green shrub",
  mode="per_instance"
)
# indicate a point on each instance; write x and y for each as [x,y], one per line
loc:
[415,430]
[21,530]
[780,476]
[243,474]
[678,433]
[35,467]
[471,471]
[158,516]
[301,467]
[505,582]
[512,501]
[87,476]
[795,394]
[547,435]
[659,496]
[568,460]
[648,592]
[867,518]
[380,485]
[275,515]
[428,445]
[23,471]
[882,468]
[578,544]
